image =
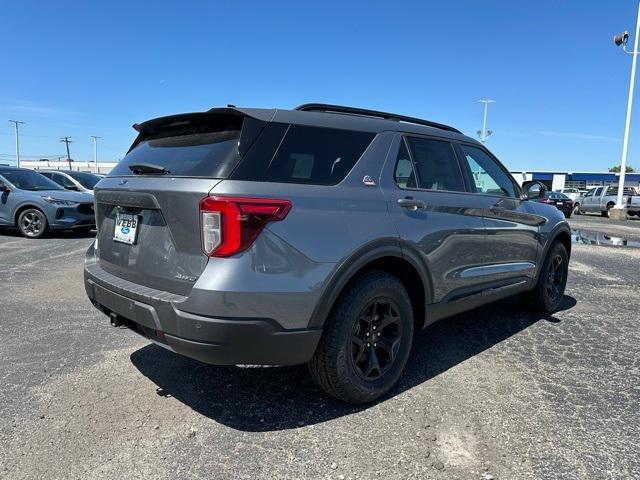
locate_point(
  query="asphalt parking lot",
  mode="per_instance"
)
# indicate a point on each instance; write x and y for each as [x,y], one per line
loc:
[494,393]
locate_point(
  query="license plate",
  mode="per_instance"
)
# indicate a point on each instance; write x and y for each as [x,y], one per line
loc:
[126,228]
[559,203]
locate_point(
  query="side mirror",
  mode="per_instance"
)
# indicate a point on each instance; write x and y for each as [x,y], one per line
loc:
[4,187]
[533,189]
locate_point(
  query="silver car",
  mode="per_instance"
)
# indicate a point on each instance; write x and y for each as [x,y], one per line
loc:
[324,235]
[34,204]
[73,180]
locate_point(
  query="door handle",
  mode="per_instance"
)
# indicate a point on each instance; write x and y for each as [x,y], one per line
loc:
[411,203]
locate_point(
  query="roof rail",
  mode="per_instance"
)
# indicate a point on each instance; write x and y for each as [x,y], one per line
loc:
[323,107]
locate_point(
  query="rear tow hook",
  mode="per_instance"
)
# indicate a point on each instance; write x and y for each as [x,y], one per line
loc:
[115,320]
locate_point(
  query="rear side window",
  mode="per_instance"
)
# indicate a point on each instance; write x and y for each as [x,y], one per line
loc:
[319,156]
[435,166]
[206,146]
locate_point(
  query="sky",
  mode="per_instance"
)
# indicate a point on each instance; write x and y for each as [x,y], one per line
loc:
[94,68]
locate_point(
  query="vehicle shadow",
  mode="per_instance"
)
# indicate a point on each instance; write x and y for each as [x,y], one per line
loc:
[13,232]
[278,398]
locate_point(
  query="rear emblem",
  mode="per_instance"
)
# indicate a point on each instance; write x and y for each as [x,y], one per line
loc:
[368,181]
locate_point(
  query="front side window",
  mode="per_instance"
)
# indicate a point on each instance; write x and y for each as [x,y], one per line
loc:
[487,176]
[62,180]
[598,191]
[590,193]
[432,166]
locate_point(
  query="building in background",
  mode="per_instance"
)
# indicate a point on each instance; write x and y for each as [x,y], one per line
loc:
[556,180]
[103,167]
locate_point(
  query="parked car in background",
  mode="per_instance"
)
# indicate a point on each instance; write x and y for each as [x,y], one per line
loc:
[558,200]
[34,204]
[575,195]
[73,180]
[633,205]
[572,193]
[602,199]
[321,235]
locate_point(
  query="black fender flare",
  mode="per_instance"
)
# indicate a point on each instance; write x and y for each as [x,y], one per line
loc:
[347,269]
[550,238]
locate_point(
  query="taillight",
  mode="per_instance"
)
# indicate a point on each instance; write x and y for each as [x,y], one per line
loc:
[231,224]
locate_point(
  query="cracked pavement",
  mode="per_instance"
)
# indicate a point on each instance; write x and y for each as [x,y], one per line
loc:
[497,392]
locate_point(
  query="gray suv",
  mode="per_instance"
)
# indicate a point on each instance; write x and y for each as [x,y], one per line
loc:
[324,235]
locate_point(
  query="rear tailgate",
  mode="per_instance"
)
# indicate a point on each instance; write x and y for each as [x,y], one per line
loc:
[148,208]
[167,253]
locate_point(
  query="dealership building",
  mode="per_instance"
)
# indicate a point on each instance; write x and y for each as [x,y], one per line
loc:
[556,180]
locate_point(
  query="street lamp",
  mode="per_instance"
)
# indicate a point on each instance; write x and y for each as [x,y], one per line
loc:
[621,39]
[484,133]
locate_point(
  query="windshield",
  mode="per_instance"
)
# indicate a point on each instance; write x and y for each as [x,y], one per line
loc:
[87,180]
[558,195]
[29,180]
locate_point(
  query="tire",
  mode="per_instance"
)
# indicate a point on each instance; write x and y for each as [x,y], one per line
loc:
[32,223]
[547,295]
[607,212]
[343,365]
[567,214]
[576,209]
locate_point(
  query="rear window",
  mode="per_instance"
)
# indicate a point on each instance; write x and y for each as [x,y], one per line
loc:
[625,191]
[319,156]
[205,146]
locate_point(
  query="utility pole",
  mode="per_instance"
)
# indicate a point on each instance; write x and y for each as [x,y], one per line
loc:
[16,123]
[619,211]
[95,151]
[484,133]
[67,141]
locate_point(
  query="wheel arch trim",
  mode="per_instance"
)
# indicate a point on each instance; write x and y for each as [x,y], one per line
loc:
[356,261]
[24,206]
[558,230]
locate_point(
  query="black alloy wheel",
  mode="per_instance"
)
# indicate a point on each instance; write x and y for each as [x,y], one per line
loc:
[376,338]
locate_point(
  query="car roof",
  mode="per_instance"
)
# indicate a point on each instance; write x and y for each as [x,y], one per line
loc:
[15,169]
[328,116]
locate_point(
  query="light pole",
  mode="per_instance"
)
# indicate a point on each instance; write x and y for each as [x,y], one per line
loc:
[622,39]
[95,151]
[484,133]
[16,123]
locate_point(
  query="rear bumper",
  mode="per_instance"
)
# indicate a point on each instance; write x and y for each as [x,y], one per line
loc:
[221,341]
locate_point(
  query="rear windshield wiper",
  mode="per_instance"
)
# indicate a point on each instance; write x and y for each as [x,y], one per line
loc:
[145,168]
